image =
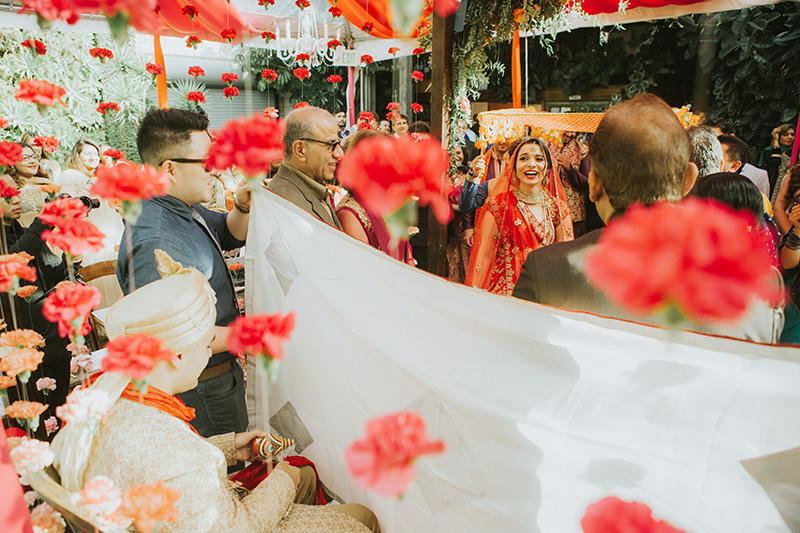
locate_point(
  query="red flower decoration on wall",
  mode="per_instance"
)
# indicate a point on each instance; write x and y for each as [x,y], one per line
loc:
[268,36]
[129,183]
[229,78]
[335,11]
[105,106]
[196,72]
[192,41]
[384,183]
[393,50]
[48,144]
[269,75]
[300,105]
[228,34]
[416,108]
[69,307]
[135,356]
[40,92]
[196,96]
[612,515]
[10,153]
[154,69]
[190,11]
[250,143]
[301,73]
[367,27]
[35,45]
[417,51]
[384,459]
[334,78]
[333,43]
[367,59]
[230,92]
[703,250]
[417,75]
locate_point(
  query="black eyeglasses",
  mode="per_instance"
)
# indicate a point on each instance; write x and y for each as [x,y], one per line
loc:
[179,160]
[330,144]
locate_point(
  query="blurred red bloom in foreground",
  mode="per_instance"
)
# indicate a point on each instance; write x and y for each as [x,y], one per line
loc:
[154,69]
[35,45]
[384,459]
[149,505]
[10,153]
[129,183]
[63,211]
[105,106]
[250,143]
[699,257]
[77,238]
[261,335]
[40,92]
[612,515]
[69,306]
[301,73]
[135,356]
[14,267]
[196,96]
[48,144]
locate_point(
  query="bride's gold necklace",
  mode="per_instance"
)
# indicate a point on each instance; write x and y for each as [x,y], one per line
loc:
[531,199]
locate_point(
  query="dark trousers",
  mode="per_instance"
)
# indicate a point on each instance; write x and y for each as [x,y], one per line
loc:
[219,403]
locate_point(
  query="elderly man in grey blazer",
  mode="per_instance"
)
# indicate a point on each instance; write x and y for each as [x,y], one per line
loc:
[640,154]
[313,150]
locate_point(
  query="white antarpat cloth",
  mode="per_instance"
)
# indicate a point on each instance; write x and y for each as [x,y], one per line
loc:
[543,411]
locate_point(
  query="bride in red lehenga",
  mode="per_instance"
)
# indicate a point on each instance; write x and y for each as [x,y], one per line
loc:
[526,209]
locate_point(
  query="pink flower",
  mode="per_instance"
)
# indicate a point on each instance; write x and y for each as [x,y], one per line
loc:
[334,78]
[196,72]
[417,75]
[50,425]
[300,105]
[228,34]
[706,261]
[84,404]
[384,182]
[45,384]
[416,108]
[77,349]
[129,183]
[40,92]
[193,40]
[248,143]
[77,238]
[269,75]
[333,43]
[148,505]
[260,335]
[230,92]
[69,306]
[384,459]
[102,53]
[229,77]
[135,356]
[30,456]
[45,519]
[10,153]
[105,106]
[268,36]
[335,11]
[99,497]
[48,144]
[196,96]
[367,59]
[271,112]
[301,73]
[612,515]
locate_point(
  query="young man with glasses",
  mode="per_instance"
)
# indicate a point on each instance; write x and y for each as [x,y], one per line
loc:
[313,150]
[176,142]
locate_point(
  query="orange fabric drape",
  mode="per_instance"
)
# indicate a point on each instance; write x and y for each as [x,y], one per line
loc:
[516,72]
[212,17]
[379,14]
[161,81]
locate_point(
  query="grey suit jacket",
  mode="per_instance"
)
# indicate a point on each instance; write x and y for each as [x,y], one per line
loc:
[287,184]
[554,275]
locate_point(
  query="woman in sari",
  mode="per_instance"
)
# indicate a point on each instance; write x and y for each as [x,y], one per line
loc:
[525,210]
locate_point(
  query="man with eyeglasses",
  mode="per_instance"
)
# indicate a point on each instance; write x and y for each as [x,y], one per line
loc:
[313,150]
[176,142]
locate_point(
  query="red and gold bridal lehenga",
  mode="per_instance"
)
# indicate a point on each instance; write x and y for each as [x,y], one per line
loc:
[506,231]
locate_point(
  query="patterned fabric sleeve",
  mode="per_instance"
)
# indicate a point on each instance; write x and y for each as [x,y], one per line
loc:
[227,445]
[564,221]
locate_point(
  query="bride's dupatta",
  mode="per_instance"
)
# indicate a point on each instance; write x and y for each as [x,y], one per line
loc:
[494,228]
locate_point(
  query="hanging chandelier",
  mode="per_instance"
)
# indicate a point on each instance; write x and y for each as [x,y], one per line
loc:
[307,42]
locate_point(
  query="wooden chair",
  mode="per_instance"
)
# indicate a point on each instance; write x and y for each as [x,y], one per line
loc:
[91,273]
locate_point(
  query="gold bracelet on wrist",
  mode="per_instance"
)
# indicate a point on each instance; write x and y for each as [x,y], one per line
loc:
[243,210]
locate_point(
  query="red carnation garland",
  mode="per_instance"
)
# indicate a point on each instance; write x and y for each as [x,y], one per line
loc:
[154,69]
[334,79]
[335,11]
[417,75]
[416,108]
[262,337]
[196,96]
[333,43]
[300,105]
[228,34]
[193,41]
[105,106]
[268,36]
[301,73]
[229,78]
[367,59]
[196,72]
[35,45]
[102,53]
[190,11]
[269,75]
[135,356]
[49,144]
[42,93]
[230,92]
[114,154]
[69,307]
[250,143]
[393,50]
[131,184]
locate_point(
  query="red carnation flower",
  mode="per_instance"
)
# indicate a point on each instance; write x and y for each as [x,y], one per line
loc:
[3,123]
[228,34]
[196,72]
[7,191]
[367,27]
[69,307]
[63,211]
[35,45]
[384,459]
[102,53]
[445,8]
[335,11]
[260,335]
[302,57]
[302,4]
[301,73]
[230,92]
[367,59]
[384,183]
[229,77]
[612,515]
[364,126]
[248,143]
[154,69]
[48,144]
[393,50]
[77,238]
[105,106]
[334,78]
[704,251]
[13,268]
[299,105]
[417,51]
[333,43]
[392,115]
[393,106]
[52,10]
[269,75]
[192,41]
[365,116]
[270,2]
[417,75]
[114,154]
[40,92]
[129,183]
[196,96]
[190,11]
[135,356]
[416,108]
[268,36]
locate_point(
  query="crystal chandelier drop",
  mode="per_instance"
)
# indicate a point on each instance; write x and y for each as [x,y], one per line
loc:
[307,41]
